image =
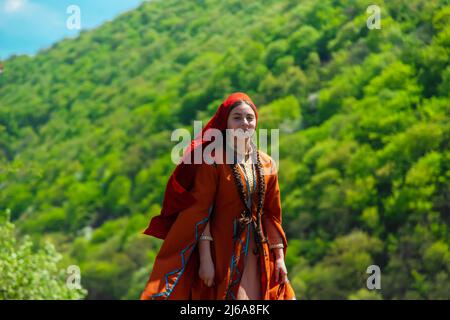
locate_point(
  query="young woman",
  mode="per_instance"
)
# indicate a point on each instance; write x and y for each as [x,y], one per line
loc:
[221,221]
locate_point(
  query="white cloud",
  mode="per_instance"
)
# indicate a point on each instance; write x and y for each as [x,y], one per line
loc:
[26,17]
[12,6]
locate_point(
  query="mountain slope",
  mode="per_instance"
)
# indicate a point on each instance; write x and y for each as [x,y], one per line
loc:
[85,135]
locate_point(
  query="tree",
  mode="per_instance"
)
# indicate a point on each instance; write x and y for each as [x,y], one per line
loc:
[30,274]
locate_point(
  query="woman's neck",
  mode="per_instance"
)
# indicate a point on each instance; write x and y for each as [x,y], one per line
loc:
[242,147]
[244,150]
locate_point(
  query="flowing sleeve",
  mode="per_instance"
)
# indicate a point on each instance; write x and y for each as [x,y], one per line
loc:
[192,220]
[174,266]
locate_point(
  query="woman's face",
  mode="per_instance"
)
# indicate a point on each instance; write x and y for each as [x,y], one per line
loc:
[242,117]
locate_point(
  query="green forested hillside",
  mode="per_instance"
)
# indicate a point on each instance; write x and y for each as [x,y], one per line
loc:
[364,136]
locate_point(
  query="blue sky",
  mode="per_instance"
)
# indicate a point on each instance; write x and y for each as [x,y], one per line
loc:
[29,25]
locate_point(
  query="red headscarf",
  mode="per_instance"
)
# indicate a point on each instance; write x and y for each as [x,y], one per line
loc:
[177,196]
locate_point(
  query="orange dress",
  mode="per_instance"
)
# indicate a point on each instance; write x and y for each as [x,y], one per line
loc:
[239,273]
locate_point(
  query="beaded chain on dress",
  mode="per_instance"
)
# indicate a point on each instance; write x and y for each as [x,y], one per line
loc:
[248,169]
[249,175]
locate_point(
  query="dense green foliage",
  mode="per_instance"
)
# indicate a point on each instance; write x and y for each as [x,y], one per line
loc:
[31,274]
[364,136]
